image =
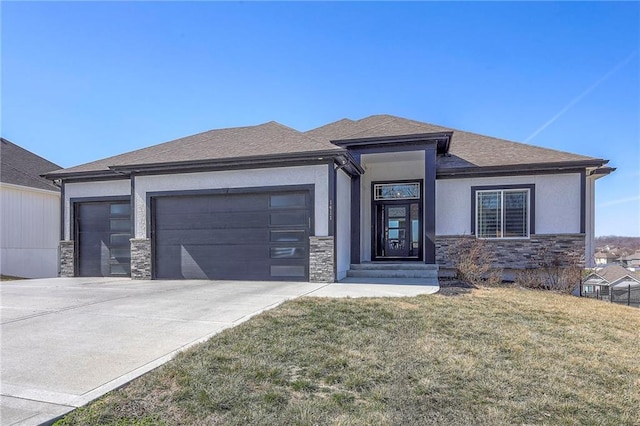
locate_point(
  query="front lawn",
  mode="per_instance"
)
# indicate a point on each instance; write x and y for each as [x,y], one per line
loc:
[489,356]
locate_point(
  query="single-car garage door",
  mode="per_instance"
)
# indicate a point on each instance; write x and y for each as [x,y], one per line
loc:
[235,236]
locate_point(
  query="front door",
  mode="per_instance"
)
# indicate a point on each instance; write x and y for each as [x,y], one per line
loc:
[396,218]
[397,231]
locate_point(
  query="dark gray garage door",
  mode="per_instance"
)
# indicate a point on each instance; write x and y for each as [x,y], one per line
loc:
[256,236]
[102,233]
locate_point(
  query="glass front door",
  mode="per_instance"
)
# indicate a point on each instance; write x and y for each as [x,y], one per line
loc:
[397,231]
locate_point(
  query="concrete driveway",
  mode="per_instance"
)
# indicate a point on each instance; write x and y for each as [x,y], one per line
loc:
[67,341]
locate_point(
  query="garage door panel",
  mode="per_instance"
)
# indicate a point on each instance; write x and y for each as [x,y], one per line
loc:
[223,252]
[214,236]
[196,262]
[261,236]
[253,219]
[215,203]
[92,225]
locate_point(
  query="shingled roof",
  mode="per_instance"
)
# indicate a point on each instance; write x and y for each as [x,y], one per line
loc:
[268,139]
[467,151]
[612,273]
[21,167]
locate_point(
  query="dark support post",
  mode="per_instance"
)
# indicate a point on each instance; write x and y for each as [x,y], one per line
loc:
[430,204]
[331,214]
[583,196]
[62,204]
[333,218]
[132,203]
[355,215]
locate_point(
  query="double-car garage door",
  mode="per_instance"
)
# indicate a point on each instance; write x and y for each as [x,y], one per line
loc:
[236,236]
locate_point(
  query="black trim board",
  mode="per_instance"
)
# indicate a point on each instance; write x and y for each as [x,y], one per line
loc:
[410,142]
[517,169]
[116,172]
[132,202]
[355,214]
[429,206]
[331,201]
[386,149]
[532,202]
[583,202]
[63,203]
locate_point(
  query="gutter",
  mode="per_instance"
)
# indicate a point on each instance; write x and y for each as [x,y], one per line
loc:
[114,172]
[565,166]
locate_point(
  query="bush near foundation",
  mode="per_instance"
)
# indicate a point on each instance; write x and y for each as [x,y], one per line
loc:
[552,270]
[474,262]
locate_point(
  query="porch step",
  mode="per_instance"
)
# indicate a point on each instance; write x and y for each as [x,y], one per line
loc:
[371,266]
[394,270]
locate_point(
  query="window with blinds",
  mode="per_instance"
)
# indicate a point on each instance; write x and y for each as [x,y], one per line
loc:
[502,213]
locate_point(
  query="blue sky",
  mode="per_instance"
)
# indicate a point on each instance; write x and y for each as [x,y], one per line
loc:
[86,80]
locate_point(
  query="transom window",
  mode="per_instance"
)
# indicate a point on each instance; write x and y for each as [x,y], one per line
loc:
[502,213]
[396,191]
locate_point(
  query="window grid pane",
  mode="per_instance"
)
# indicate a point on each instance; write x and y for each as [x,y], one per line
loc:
[489,217]
[502,214]
[515,214]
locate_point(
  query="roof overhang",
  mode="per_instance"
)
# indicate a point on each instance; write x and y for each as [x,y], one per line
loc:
[442,140]
[338,156]
[532,168]
[601,171]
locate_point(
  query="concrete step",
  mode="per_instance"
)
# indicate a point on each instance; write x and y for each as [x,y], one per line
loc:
[393,273]
[391,281]
[390,266]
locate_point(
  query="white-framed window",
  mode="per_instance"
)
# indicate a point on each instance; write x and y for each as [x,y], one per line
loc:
[503,213]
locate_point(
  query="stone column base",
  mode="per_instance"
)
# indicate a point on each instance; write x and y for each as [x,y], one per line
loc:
[67,259]
[140,259]
[321,260]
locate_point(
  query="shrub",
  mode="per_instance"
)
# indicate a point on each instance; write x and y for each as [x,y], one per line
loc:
[473,262]
[553,270]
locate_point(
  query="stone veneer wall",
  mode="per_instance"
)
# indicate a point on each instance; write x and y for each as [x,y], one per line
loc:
[67,266]
[140,259]
[321,255]
[519,254]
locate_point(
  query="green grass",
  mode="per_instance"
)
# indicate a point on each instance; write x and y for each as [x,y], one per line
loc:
[488,357]
[10,278]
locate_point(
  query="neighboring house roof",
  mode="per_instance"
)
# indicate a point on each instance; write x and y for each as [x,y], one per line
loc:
[612,273]
[627,281]
[634,256]
[605,255]
[21,167]
[468,151]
